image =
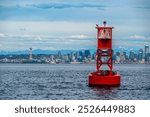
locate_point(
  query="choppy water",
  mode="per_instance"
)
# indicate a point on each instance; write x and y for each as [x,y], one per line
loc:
[43,81]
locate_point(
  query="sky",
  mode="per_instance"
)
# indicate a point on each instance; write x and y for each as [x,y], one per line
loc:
[70,24]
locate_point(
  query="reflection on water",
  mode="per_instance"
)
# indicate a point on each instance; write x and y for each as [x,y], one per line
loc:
[103,91]
[43,81]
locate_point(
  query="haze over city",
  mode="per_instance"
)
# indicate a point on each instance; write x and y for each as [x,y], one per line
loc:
[65,24]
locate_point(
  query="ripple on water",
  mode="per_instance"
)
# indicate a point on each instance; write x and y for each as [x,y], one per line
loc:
[19,81]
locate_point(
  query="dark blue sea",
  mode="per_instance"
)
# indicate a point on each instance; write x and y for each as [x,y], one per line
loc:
[69,81]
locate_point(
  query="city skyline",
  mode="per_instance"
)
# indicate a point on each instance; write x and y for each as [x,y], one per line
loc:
[64,24]
[76,57]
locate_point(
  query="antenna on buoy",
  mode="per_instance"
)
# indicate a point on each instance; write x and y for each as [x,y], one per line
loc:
[104,23]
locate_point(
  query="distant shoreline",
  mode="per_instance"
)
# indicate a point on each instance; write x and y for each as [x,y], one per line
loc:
[80,63]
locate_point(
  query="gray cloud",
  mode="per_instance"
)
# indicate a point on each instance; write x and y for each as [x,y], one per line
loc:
[143,7]
[66,5]
[44,42]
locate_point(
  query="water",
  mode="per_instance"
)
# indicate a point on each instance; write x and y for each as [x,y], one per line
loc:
[44,81]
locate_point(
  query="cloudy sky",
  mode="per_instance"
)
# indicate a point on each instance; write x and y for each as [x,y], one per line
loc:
[70,24]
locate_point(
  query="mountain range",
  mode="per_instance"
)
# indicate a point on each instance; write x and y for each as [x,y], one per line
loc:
[39,51]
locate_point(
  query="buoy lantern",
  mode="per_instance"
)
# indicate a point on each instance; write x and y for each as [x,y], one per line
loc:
[104,56]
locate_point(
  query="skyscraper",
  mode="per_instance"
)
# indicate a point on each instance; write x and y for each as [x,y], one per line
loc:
[131,56]
[59,54]
[146,53]
[87,53]
[140,55]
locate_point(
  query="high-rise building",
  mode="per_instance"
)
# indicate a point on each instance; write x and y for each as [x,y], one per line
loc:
[125,55]
[72,56]
[146,53]
[87,53]
[114,56]
[59,54]
[140,55]
[117,53]
[131,56]
[122,57]
[135,57]
[79,56]
[94,56]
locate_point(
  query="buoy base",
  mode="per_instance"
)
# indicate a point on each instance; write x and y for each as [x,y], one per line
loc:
[104,80]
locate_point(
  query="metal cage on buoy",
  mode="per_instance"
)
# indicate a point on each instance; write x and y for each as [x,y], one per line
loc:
[104,56]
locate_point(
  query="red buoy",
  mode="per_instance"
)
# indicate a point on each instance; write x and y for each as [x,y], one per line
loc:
[104,56]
